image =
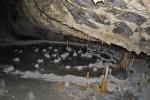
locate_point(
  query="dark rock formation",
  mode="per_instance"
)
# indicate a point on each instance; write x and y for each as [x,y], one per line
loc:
[132,17]
[122,29]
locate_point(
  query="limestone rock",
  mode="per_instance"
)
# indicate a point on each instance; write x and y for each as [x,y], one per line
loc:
[46,19]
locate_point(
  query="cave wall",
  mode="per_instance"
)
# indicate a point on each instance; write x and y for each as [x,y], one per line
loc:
[123,23]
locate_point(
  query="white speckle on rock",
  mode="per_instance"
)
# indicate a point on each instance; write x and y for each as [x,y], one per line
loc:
[40,60]
[86,55]
[42,69]
[91,65]
[50,48]
[9,69]
[20,51]
[80,51]
[44,50]
[15,50]
[30,96]
[95,69]
[69,49]
[64,55]
[57,60]
[16,59]
[55,50]
[54,55]
[89,56]
[36,50]
[47,55]
[79,68]
[36,65]
[67,67]
[74,54]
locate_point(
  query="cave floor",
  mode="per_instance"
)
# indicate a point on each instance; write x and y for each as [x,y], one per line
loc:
[58,71]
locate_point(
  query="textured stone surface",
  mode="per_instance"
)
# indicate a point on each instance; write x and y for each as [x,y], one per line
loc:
[122,29]
[87,20]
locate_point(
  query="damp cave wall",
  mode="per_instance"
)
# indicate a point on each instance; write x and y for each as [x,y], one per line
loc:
[17,22]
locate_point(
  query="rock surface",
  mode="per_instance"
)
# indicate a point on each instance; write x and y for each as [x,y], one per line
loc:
[87,20]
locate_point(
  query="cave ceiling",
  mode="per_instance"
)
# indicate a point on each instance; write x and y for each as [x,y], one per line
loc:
[125,23]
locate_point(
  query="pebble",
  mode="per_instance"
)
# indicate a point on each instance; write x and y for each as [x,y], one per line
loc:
[44,50]
[86,55]
[16,50]
[36,65]
[16,59]
[57,60]
[74,54]
[54,55]
[95,69]
[67,67]
[49,48]
[36,50]
[20,51]
[91,65]
[30,96]
[65,55]
[47,55]
[55,50]
[42,69]
[79,68]
[80,51]
[40,60]
[9,69]
[69,49]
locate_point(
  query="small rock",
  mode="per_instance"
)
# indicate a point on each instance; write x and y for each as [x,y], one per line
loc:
[49,48]
[36,50]
[44,50]
[16,59]
[65,55]
[54,55]
[89,56]
[20,51]
[16,50]
[74,54]
[47,55]
[42,69]
[95,69]
[67,67]
[40,60]
[57,60]
[80,51]
[30,96]
[91,65]
[36,65]
[69,49]
[86,55]
[79,68]
[55,50]
[9,69]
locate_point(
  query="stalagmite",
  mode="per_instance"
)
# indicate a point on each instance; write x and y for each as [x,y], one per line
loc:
[141,83]
[103,85]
